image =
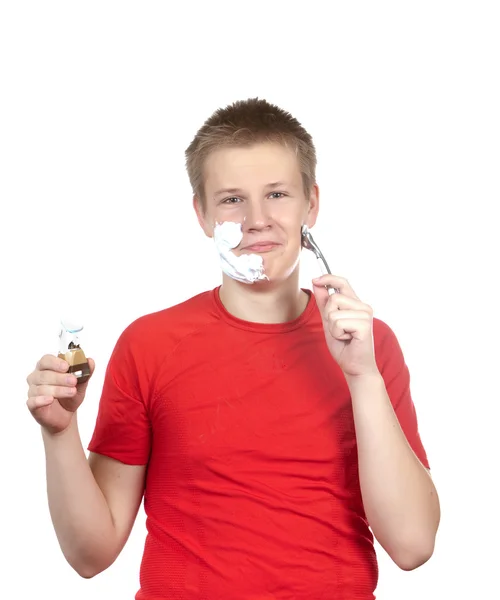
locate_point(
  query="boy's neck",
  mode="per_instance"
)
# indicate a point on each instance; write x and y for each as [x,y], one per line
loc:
[263,302]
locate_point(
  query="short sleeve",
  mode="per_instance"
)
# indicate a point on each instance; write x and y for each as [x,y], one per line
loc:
[122,430]
[396,375]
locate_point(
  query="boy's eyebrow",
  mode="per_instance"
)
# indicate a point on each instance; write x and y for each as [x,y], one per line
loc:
[276,184]
[228,191]
[273,185]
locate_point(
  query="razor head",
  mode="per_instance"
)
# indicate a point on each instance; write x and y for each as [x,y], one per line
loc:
[307,239]
[309,244]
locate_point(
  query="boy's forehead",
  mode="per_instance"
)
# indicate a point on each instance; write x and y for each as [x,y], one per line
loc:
[273,162]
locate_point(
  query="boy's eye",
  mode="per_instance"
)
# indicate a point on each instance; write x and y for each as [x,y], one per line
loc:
[235,199]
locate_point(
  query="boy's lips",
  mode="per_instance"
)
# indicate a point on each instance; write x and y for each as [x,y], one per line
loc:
[264,246]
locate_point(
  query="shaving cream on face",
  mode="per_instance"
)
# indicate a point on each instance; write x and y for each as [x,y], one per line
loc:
[247,268]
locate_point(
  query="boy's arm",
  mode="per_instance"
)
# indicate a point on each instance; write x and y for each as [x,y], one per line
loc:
[93,503]
[399,497]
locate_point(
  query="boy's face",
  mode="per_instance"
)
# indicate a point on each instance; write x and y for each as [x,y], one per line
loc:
[261,187]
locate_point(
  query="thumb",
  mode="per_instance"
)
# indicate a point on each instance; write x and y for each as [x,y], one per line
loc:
[91,362]
[83,386]
[321,294]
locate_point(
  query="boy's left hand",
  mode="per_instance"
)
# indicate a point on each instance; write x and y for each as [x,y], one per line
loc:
[348,325]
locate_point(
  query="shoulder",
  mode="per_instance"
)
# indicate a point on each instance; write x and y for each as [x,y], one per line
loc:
[168,326]
[147,342]
[387,346]
[381,330]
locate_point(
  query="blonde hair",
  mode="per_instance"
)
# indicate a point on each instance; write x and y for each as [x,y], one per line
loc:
[244,123]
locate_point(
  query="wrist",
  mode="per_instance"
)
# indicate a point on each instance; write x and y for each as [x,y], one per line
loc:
[368,381]
[53,436]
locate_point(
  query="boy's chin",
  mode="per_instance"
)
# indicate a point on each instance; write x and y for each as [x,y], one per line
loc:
[274,278]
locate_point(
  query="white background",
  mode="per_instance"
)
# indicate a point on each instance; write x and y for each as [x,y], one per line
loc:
[99,101]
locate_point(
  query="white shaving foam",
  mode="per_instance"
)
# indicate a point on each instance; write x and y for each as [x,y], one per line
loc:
[247,268]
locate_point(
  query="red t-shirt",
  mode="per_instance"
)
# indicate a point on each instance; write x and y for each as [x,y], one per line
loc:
[252,488]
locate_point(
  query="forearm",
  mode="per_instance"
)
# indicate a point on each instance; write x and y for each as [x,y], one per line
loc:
[79,511]
[399,497]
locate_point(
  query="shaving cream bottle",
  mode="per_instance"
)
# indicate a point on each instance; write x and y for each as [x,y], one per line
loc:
[70,351]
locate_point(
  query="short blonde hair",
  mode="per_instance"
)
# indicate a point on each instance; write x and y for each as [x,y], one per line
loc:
[244,123]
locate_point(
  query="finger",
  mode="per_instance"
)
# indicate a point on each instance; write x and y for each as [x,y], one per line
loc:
[322,296]
[351,315]
[339,283]
[91,362]
[328,303]
[52,378]
[52,390]
[38,401]
[341,302]
[352,326]
[83,386]
[50,362]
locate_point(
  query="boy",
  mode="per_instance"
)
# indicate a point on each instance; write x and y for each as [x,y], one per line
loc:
[270,428]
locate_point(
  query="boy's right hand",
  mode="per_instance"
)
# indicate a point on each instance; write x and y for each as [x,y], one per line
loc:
[52,398]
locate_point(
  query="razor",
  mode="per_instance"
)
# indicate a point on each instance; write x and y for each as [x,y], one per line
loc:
[309,243]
